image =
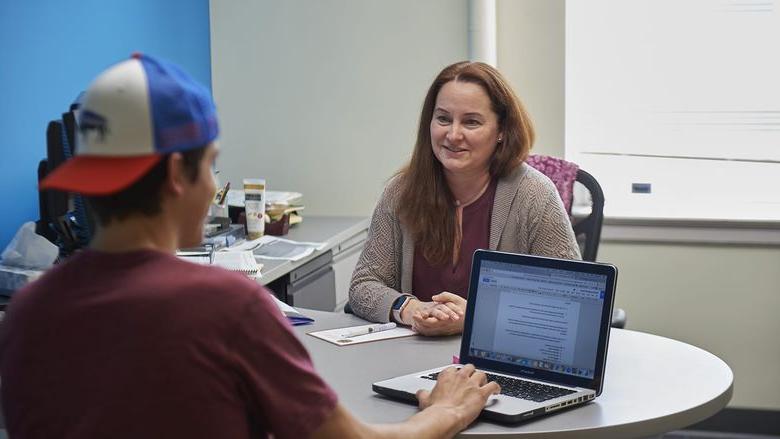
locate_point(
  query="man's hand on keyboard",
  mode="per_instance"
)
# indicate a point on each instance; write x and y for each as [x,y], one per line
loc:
[461,391]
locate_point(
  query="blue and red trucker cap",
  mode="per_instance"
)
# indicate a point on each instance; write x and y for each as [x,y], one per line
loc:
[132,115]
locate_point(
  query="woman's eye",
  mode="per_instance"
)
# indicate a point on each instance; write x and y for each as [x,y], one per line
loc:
[473,123]
[442,119]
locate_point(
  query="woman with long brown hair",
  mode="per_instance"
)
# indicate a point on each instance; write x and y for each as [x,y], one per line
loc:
[465,187]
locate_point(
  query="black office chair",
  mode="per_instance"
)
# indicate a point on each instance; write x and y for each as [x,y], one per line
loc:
[588,231]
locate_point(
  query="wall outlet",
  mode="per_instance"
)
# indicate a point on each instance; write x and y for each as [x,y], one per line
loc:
[641,188]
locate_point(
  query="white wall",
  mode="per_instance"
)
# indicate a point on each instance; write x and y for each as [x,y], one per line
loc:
[531,56]
[323,97]
[722,298]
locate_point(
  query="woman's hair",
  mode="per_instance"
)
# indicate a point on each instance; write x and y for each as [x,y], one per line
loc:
[426,206]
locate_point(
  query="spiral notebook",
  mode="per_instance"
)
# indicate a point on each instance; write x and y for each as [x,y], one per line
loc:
[243,261]
[240,261]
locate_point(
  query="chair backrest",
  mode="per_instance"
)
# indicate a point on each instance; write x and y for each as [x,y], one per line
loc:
[590,226]
[561,172]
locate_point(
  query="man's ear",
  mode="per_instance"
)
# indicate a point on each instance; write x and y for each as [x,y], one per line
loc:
[176,180]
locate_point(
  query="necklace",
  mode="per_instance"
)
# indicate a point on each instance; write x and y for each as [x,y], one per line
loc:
[474,198]
[459,222]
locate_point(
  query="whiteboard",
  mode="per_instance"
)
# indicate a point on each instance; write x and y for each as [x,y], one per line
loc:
[682,96]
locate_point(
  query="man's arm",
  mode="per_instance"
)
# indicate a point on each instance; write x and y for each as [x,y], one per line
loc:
[455,401]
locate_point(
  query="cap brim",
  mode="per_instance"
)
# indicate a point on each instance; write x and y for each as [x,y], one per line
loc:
[91,175]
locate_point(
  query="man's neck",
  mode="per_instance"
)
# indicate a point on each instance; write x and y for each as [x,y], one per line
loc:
[136,233]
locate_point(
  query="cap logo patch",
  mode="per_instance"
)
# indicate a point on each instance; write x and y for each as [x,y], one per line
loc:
[91,121]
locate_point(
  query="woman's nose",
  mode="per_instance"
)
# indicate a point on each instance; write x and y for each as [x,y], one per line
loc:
[454,133]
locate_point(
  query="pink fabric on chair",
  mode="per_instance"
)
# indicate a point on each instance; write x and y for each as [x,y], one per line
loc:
[561,172]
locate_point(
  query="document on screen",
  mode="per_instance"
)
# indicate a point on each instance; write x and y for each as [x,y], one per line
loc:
[542,327]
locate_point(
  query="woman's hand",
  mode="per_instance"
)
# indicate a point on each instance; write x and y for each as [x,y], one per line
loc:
[452,301]
[443,316]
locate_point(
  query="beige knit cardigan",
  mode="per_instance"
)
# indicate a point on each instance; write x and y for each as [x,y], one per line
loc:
[528,217]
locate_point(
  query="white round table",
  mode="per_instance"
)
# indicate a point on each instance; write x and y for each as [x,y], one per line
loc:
[652,384]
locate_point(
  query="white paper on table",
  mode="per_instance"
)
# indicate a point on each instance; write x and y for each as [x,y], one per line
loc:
[274,247]
[335,336]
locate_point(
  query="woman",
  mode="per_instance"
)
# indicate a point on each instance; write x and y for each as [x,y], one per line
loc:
[465,187]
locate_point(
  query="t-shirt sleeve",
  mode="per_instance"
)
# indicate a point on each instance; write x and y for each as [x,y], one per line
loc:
[285,395]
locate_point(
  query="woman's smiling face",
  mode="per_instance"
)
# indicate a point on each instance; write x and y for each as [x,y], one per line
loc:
[464,128]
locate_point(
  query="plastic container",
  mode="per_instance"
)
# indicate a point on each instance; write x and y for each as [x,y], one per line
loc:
[254,202]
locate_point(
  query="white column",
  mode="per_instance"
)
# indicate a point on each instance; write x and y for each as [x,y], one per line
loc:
[482,31]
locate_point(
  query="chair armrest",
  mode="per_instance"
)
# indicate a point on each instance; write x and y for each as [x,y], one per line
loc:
[618,318]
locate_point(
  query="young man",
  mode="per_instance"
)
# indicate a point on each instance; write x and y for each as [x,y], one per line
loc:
[126,340]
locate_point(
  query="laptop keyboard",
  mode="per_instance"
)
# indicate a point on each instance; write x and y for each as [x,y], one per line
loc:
[520,388]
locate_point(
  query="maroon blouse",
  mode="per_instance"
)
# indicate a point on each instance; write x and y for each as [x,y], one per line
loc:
[429,280]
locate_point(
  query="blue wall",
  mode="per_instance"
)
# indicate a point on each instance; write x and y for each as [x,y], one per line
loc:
[51,49]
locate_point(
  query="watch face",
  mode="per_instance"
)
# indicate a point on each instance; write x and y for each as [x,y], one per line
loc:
[399,302]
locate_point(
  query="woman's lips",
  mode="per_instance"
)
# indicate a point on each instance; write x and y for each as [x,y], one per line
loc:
[453,148]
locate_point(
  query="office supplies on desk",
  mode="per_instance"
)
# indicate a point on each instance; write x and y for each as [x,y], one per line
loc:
[216,224]
[279,226]
[240,261]
[277,203]
[226,237]
[361,334]
[272,247]
[293,315]
[28,249]
[369,330]
[254,206]
[14,278]
[236,197]
[537,326]
[243,262]
[223,194]
[203,255]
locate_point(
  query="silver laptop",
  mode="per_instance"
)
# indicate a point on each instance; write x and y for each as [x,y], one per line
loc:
[538,326]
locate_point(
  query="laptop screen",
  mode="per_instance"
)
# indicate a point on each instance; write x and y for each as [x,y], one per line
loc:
[538,317]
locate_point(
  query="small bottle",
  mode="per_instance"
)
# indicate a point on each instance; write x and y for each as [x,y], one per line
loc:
[254,203]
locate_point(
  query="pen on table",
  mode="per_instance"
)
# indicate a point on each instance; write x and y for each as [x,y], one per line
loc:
[369,330]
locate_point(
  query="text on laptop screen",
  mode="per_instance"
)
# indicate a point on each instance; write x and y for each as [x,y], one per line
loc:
[543,318]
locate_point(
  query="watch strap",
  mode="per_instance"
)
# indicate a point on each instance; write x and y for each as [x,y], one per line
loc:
[399,308]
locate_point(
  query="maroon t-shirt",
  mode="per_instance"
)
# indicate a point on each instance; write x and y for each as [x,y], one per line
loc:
[145,345]
[429,280]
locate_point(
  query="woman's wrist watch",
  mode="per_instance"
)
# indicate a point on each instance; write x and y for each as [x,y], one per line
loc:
[399,305]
